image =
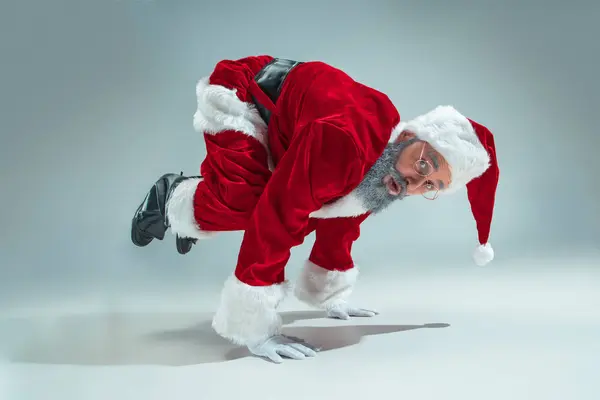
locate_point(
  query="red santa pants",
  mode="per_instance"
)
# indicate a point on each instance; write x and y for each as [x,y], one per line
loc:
[236,168]
[235,172]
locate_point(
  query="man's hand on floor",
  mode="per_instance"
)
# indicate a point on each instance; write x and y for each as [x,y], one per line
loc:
[342,310]
[281,345]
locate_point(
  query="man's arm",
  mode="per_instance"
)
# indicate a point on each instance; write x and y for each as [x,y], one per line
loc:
[334,238]
[321,164]
[329,275]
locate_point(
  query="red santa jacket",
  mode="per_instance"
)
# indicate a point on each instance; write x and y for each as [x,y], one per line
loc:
[326,133]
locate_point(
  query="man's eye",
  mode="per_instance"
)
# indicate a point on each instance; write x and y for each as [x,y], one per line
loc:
[423,167]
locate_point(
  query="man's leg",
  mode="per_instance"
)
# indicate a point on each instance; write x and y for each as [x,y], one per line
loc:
[234,174]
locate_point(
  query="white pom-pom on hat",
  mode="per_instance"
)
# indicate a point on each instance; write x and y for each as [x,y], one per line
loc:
[483,254]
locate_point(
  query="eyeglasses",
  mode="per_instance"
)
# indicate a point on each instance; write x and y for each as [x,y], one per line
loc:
[424,169]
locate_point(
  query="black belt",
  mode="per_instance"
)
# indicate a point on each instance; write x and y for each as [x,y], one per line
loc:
[270,80]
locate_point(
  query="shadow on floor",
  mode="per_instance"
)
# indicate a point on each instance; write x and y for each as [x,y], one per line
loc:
[140,339]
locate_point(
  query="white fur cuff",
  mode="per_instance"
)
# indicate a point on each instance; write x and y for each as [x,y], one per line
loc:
[320,287]
[248,314]
[219,109]
[180,211]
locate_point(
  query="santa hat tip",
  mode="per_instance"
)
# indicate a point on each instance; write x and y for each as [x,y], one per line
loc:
[483,254]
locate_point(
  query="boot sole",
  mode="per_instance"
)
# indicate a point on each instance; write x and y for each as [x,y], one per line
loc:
[138,237]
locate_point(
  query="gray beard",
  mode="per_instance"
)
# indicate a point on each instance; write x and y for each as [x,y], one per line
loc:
[372,191]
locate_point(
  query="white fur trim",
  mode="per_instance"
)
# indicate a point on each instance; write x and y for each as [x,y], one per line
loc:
[248,314]
[322,288]
[483,254]
[347,206]
[180,211]
[453,136]
[220,109]
[396,132]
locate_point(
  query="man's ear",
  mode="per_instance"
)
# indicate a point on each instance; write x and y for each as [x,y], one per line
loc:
[406,135]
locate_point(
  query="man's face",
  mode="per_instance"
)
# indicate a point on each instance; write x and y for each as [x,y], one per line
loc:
[406,167]
[424,170]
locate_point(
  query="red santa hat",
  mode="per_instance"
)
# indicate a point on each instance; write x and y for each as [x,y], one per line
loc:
[470,150]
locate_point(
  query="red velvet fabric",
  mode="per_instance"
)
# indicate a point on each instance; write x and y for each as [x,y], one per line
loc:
[328,130]
[481,191]
[307,177]
[235,173]
[235,169]
[334,238]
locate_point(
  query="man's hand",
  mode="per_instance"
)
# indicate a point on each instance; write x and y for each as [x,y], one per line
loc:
[341,310]
[281,345]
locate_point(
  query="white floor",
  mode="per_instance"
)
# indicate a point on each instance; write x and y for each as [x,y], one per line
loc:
[524,330]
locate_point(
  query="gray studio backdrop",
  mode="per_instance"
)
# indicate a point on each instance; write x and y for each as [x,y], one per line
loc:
[97,99]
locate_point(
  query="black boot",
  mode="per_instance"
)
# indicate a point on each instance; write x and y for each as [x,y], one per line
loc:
[150,219]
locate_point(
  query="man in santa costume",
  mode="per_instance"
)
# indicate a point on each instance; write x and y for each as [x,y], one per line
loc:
[301,147]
